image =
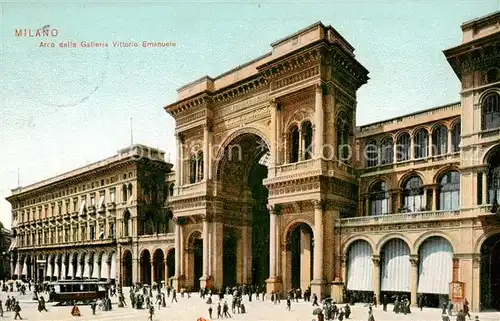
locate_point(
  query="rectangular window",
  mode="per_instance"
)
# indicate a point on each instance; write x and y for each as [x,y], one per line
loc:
[92,200]
[112,197]
[112,230]
[92,233]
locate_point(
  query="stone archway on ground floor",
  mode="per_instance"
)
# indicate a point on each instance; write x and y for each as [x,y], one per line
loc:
[395,268]
[194,260]
[145,267]
[359,270]
[126,268]
[298,257]
[158,266]
[490,273]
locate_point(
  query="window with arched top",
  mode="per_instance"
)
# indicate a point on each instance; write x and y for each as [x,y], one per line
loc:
[294,144]
[420,144]
[199,166]
[403,147]
[124,193]
[440,140]
[307,136]
[379,199]
[493,178]
[192,169]
[490,107]
[386,151]
[371,153]
[455,137]
[343,137]
[413,194]
[449,191]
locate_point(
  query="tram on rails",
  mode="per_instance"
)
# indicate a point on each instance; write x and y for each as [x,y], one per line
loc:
[77,291]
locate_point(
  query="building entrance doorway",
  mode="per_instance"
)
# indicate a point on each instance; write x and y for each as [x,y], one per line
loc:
[490,274]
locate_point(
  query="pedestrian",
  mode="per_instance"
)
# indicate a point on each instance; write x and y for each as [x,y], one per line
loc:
[210,312]
[288,303]
[174,296]
[17,309]
[466,309]
[421,302]
[315,300]
[450,307]
[374,300]
[219,311]
[225,310]
[93,305]
[347,311]
[370,314]
[151,311]
[1,309]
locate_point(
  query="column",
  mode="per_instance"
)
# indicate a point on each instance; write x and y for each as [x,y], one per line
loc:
[178,257]
[394,151]
[206,151]
[412,148]
[279,138]
[413,279]
[210,139]
[152,271]
[430,152]
[318,282]
[63,268]
[485,188]
[273,135]
[424,200]
[376,276]
[318,121]
[178,165]
[434,198]
[205,278]
[274,282]
[448,142]
[272,243]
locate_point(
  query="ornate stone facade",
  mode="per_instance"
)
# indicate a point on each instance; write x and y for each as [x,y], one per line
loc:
[99,221]
[270,153]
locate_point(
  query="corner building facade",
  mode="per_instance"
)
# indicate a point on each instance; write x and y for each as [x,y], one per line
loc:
[276,185]
[109,220]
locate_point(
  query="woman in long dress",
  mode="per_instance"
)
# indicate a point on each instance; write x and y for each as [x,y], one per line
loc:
[75,311]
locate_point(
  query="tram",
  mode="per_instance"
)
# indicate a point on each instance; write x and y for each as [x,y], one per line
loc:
[77,291]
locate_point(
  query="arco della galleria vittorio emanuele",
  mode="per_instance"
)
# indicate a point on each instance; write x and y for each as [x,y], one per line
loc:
[275,185]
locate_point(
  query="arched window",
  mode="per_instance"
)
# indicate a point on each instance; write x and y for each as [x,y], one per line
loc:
[449,191]
[491,111]
[371,154]
[307,138]
[440,140]
[294,144]
[126,218]
[386,151]
[379,199]
[124,193]
[199,162]
[455,137]
[403,147]
[171,190]
[343,137]
[494,178]
[420,142]
[192,169]
[413,194]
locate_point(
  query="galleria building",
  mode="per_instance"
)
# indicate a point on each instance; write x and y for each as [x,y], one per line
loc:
[275,185]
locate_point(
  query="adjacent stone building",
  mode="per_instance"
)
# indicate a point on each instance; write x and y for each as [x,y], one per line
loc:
[276,184]
[108,220]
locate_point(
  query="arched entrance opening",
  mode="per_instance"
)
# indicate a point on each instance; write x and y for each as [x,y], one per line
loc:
[127,268]
[435,254]
[170,265]
[359,267]
[159,266]
[195,257]
[145,267]
[300,256]
[490,273]
[241,170]
[395,269]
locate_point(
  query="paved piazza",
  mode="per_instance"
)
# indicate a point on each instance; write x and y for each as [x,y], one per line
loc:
[191,309]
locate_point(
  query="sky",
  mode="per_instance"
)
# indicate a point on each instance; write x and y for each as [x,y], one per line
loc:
[62,108]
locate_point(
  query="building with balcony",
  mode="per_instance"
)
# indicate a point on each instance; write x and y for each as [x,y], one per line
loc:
[109,220]
[277,185]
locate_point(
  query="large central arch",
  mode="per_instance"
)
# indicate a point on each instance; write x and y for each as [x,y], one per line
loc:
[241,169]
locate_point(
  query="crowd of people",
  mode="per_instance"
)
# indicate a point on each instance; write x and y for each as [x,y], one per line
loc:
[156,296]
